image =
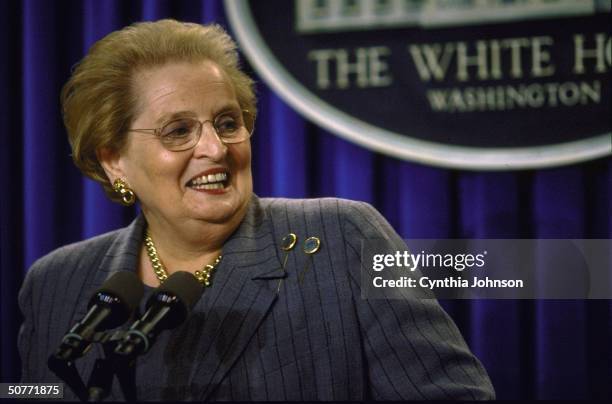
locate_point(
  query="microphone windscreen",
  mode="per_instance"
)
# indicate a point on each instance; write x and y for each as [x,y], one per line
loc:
[125,286]
[185,286]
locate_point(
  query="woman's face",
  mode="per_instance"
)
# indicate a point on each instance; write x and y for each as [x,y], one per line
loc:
[169,184]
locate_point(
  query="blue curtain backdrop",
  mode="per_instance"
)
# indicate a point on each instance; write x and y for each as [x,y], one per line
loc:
[531,349]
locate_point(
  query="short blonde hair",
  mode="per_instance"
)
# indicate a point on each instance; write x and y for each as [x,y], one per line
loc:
[97,101]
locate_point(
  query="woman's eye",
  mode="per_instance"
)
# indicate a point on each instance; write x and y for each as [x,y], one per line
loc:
[226,125]
[177,130]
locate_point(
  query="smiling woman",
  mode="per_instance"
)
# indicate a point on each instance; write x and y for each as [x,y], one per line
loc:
[160,113]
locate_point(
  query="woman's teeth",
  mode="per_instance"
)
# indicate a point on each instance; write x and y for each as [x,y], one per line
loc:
[216,185]
[210,181]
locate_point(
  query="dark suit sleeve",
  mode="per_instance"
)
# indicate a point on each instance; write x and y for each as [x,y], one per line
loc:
[412,348]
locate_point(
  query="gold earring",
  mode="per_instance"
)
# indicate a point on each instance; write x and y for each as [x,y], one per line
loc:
[125,192]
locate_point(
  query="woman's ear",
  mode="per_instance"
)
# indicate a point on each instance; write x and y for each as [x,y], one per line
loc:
[110,160]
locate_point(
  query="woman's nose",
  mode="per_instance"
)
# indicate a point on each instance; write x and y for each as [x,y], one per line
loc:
[210,145]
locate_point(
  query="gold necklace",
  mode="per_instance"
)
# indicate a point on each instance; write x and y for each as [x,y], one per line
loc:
[202,276]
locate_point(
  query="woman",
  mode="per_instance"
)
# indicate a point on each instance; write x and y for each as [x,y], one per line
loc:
[160,113]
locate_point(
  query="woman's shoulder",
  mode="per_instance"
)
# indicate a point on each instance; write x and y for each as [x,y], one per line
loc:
[335,214]
[83,253]
[338,206]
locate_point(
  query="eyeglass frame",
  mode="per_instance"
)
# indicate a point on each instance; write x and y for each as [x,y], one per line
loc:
[157,131]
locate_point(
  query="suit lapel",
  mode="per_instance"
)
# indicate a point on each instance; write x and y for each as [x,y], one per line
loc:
[122,255]
[242,293]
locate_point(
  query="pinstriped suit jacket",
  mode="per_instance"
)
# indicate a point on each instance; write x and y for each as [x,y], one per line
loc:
[258,333]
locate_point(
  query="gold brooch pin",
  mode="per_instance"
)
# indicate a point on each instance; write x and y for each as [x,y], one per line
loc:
[311,246]
[287,244]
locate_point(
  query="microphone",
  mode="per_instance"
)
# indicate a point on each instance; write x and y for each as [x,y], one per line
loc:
[167,308]
[109,307]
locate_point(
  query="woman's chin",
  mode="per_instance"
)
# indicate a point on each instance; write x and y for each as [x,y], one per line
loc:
[216,204]
[218,208]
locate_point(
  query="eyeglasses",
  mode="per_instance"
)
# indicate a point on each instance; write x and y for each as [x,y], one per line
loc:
[184,133]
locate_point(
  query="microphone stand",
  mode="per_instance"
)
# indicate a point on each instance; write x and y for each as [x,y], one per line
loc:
[67,372]
[101,378]
[126,374]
